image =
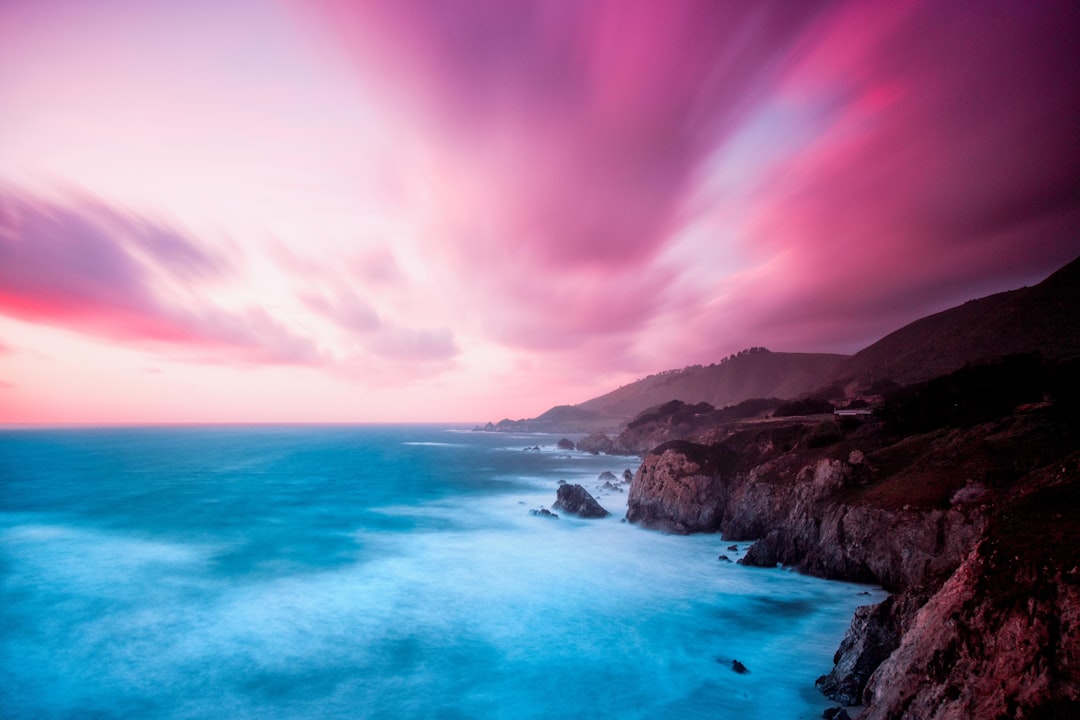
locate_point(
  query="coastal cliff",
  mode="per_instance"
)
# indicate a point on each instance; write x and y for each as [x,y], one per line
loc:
[971,525]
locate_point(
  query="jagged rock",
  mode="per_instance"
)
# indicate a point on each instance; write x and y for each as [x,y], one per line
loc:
[596,443]
[733,548]
[544,512]
[611,487]
[836,713]
[739,667]
[562,482]
[872,638]
[606,475]
[576,500]
[627,476]
[565,444]
[762,553]
[1001,638]
[680,488]
[970,516]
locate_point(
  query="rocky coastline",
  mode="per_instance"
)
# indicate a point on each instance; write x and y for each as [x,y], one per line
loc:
[971,526]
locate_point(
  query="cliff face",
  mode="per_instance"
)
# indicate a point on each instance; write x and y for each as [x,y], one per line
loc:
[926,516]
[1001,638]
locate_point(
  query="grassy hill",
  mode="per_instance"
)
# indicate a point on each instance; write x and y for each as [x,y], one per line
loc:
[1042,319]
[756,373]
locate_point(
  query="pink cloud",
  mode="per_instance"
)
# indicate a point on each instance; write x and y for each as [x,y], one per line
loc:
[928,154]
[415,346]
[562,139]
[92,268]
[345,308]
[556,194]
[947,171]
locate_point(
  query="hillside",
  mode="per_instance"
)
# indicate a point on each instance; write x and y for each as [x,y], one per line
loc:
[1043,319]
[752,374]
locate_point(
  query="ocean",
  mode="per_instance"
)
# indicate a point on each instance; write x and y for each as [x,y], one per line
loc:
[375,572]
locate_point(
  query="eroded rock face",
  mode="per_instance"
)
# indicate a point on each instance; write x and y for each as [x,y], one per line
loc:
[896,549]
[576,500]
[873,635]
[981,549]
[681,488]
[596,443]
[1001,638]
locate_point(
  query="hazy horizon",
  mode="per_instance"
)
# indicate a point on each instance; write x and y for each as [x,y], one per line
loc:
[286,212]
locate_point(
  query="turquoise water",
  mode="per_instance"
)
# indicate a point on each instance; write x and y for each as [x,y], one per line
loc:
[374,572]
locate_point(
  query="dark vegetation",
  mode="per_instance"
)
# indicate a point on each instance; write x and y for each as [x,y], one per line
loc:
[974,394]
[805,406]
[675,412]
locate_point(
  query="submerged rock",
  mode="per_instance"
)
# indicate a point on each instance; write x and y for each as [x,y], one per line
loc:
[576,500]
[544,512]
[739,667]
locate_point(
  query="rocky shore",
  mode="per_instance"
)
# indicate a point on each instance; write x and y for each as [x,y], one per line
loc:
[971,525]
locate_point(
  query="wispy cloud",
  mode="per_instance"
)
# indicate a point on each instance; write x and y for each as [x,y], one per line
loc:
[699,176]
[89,267]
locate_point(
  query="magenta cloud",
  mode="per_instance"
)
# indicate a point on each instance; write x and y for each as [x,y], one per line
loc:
[95,269]
[913,155]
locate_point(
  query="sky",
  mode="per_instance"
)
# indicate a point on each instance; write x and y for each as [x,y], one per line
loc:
[425,210]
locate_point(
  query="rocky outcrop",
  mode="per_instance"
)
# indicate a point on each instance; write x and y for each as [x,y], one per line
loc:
[963,523]
[576,500]
[680,487]
[740,487]
[565,444]
[596,443]
[874,635]
[1001,638]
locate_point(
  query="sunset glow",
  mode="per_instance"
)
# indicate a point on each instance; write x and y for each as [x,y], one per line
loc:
[411,210]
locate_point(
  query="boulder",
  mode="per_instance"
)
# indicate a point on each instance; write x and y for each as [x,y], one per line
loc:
[739,667]
[606,475]
[576,500]
[627,476]
[565,444]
